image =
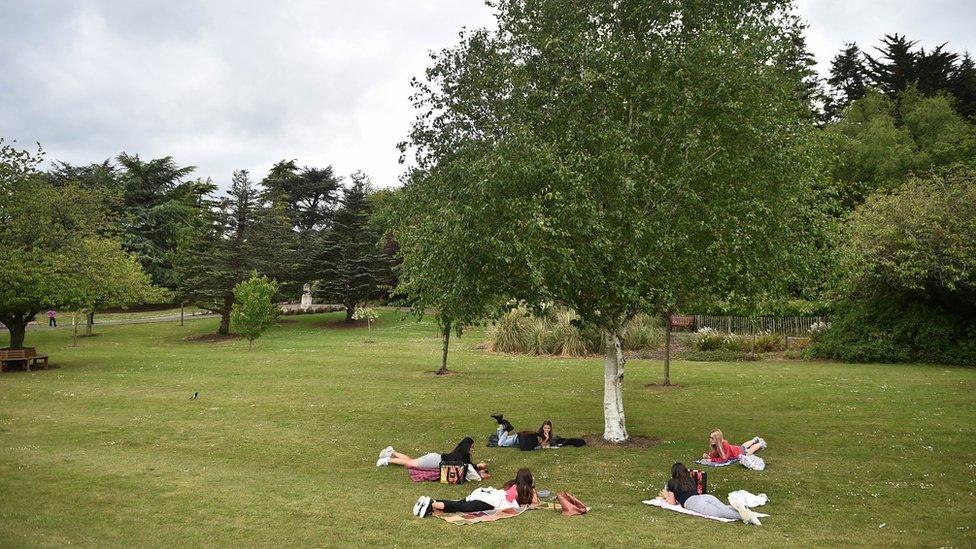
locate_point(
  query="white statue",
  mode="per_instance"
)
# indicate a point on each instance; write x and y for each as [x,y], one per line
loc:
[306,296]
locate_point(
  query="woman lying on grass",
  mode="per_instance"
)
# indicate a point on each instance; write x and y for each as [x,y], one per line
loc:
[514,494]
[719,449]
[507,436]
[682,490]
[460,454]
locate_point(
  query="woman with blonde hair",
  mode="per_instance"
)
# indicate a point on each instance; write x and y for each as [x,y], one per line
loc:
[719,449]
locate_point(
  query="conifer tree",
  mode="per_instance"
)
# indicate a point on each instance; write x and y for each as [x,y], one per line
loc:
[353,267]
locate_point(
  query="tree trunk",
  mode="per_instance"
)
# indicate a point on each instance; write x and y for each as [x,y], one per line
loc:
[615,425]
[181,312]
[18,329]
[224,328]
[250,343]
[89,322]
[667,348]
[74,329]
[447,339]
[349,312]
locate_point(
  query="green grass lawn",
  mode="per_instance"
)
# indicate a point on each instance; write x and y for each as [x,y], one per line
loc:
[280,447]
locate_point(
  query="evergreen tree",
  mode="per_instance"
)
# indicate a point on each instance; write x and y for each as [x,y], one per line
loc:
[895,69]
[159,206]
[848,79]
[353,267]
[239,235]
[964,86]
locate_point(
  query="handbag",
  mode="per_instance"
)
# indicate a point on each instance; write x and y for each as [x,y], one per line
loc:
[701,480]
[570,504]
[453,472]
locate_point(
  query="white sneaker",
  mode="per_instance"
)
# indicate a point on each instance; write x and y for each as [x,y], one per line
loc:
[762,444]
[383,462]
[420,508]
[387,452]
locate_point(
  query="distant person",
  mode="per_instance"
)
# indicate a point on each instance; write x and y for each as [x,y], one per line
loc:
[52,318]
[508,437]
[719,449]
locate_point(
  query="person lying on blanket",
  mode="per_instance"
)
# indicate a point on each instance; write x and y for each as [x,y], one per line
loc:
[681,490]
[460,454]
[719,449]
[514,494]
[507,436]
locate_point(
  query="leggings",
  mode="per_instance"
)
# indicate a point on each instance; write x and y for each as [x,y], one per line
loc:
[462,506]
[710,505]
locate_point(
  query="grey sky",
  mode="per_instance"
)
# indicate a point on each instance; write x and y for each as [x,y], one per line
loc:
[241,84]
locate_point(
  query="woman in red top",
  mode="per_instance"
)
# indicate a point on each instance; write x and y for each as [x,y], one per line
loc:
[719,449]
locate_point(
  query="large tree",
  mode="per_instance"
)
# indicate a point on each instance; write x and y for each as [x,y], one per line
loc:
[240,235]
[352,266]
[55,247]
[641,153]
[160,205]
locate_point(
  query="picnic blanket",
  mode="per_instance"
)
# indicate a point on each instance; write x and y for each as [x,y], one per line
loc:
[658,502]
[710,463]
[422,475]
[464,519]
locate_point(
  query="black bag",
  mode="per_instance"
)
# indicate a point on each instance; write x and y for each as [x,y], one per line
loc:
[453,472]
[528,441]
[560,441]
[492,441]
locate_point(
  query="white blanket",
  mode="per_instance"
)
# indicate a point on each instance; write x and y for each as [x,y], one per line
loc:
[658,502]
[748,499]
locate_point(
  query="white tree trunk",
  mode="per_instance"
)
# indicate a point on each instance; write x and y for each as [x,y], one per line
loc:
[615,426]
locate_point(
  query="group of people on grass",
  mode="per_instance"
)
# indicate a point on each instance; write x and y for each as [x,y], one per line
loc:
[681,488]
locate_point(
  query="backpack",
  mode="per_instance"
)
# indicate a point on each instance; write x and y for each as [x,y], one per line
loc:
[701,480]
[453,472]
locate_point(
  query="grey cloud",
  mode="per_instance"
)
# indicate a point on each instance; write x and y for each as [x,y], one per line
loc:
[229,84]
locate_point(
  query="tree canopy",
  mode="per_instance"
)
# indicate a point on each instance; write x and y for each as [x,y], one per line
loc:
[615,157]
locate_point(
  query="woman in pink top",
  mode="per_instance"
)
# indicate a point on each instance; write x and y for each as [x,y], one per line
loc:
[719,449]
[52,318]
[515,493]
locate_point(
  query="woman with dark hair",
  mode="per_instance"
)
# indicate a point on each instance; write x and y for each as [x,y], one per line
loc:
[460,454]
[515,493]
[526,440]
[681,490]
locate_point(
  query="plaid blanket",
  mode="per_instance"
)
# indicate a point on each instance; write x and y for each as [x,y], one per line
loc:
[463,519]
[710,463]
[421,475]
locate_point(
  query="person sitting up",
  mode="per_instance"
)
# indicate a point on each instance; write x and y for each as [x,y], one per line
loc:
[515,493]
[460,454]
[526,440]
[682,490]
[719,449]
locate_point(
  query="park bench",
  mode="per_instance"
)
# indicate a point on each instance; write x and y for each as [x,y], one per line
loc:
[27,356]
[682,322]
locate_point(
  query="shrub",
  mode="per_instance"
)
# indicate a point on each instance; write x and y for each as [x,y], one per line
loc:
[560,334]
[707,339]
[900,329]
[511,333]
[643,332]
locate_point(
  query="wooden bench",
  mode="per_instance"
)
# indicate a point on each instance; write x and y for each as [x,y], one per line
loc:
[682,322]
[27,356]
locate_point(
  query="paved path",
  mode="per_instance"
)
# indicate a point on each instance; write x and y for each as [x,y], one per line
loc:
[62,325]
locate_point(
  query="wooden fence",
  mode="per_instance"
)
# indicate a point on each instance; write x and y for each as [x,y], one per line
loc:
[788,326]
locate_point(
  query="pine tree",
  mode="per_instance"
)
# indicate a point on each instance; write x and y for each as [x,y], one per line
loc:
[895,69]
[353,267]
[964,86]
[240,235]
[848,80]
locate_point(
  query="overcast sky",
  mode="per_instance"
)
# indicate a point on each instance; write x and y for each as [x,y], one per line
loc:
[228,84]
